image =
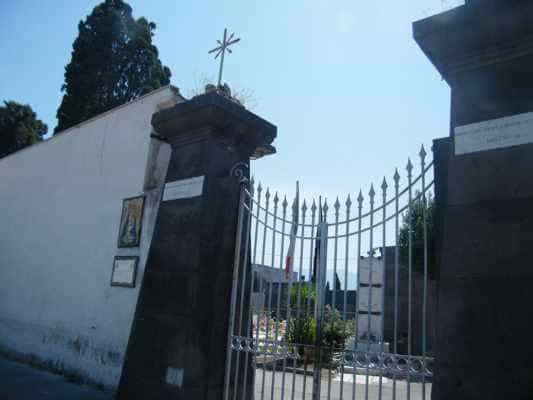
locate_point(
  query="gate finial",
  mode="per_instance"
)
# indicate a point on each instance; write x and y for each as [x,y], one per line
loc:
[372,193]
[348,202]
[409,167]
[337,205]
[396,178]
[384,185]
[422,153]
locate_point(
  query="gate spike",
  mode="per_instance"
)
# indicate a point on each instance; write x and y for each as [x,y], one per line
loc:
[348,202]
[360,198]
[396,177]
[284,204]
[422,153]
[267,194]
[325,207]
[304,207]
[409,167]
[384,185]
[313,207]
[337,205]
[276,199]
[372,192]
[259,187]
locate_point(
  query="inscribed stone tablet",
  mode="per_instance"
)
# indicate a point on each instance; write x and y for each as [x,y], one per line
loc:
[494,134]
[124,271]
[184,188]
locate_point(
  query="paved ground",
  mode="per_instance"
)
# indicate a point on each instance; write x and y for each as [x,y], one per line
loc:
[22,382]
[303,388]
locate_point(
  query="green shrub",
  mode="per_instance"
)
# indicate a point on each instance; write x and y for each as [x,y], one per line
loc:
[302,330]
[335,330]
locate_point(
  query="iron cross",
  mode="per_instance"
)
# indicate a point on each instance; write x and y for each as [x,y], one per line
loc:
[221,49]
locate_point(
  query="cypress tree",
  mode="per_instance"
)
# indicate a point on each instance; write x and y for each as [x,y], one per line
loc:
[113,62]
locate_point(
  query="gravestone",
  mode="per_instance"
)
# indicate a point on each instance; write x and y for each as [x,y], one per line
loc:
[177,346]
[484,198]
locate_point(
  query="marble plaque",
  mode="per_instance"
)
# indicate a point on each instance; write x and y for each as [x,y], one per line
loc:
[124,271]
[494,134]
[184,188]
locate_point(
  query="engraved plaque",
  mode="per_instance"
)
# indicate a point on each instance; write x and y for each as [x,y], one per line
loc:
[494,134]
[184,188]
[124,271]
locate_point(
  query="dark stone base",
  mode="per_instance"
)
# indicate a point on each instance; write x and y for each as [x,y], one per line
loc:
[484,319]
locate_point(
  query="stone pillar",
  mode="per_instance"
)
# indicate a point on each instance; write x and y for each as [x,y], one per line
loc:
[484,195]
[177,346]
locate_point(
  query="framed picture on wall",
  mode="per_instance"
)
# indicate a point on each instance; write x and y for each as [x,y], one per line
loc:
[129,234]
[124,271]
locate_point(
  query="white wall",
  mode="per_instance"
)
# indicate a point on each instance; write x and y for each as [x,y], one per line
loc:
[60,208]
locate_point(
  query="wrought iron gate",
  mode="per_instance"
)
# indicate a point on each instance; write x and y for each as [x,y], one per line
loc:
[348,318]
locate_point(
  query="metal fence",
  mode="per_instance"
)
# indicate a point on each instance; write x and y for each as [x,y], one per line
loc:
[349,318]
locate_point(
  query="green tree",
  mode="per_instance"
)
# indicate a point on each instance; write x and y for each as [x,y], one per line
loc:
[417,236]
[113,62]
[19,127]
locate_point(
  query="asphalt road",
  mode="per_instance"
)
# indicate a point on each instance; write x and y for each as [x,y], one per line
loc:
[22,382]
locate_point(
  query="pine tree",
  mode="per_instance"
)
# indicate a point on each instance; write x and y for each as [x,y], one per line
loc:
[19,127]
[113,62]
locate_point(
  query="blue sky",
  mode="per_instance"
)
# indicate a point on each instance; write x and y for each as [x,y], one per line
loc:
[347,86]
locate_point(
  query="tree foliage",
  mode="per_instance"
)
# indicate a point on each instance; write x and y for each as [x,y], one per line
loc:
[113,62]
[417,236]
[19,127]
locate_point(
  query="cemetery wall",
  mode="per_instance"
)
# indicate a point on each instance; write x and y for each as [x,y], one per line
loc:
[60,207]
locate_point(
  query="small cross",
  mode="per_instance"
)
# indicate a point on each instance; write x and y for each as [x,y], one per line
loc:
[221,49]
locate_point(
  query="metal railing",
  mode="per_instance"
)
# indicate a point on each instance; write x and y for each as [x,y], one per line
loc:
[295,334]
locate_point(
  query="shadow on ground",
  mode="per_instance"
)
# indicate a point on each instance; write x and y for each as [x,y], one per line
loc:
[23,382]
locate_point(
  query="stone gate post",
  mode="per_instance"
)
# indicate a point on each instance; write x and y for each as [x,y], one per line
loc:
[177,346]
[484,194]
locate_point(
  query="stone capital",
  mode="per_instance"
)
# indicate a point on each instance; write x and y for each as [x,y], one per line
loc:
[214,116]
[478,34]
